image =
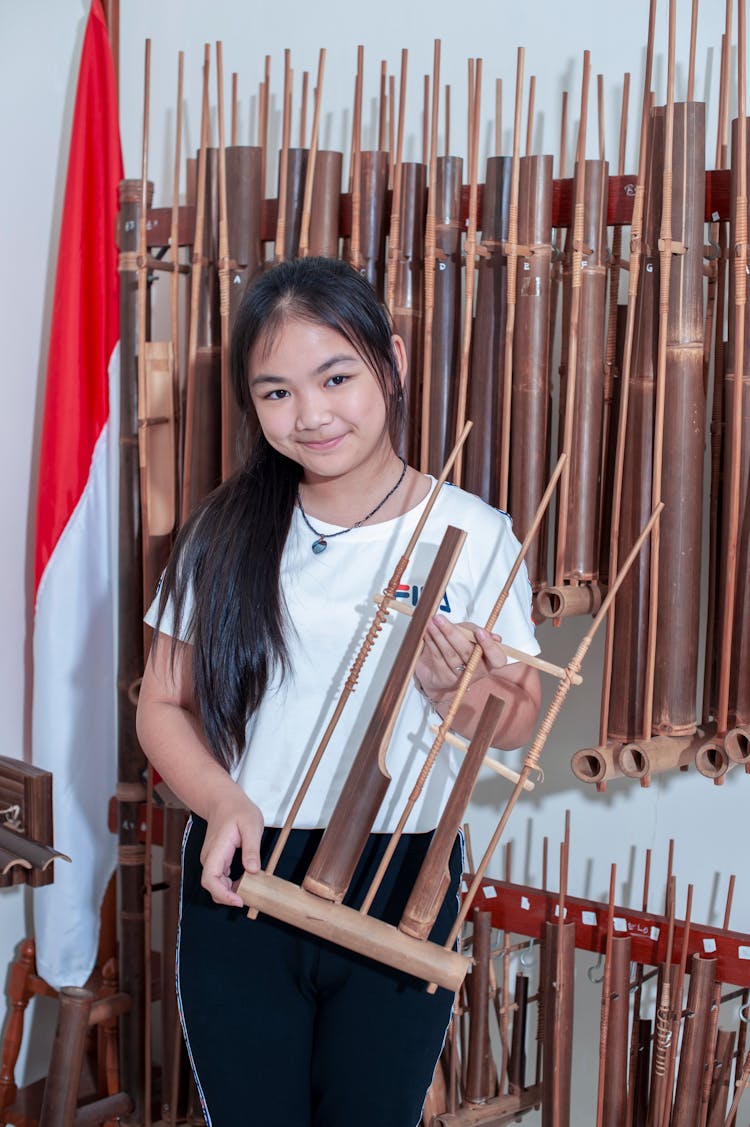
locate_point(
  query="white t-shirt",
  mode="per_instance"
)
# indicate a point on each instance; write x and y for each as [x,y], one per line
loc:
[330,606]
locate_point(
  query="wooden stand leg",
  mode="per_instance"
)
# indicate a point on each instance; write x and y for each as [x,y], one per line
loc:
[19,994]
[63,1078]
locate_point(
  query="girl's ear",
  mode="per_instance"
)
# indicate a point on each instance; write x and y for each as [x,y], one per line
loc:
[399,351]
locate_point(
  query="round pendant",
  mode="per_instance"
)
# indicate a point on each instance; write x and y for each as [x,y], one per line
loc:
[319,546]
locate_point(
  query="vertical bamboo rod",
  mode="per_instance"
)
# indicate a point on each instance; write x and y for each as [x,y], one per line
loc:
[304,234]
[429,266]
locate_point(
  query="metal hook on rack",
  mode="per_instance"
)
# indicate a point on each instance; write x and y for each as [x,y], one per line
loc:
[742,1012]
[591,972]
[524,958]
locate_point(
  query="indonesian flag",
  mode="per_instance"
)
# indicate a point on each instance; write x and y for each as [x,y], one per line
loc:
[73,726]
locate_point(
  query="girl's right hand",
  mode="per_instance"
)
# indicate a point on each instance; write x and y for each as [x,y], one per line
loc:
[233,822]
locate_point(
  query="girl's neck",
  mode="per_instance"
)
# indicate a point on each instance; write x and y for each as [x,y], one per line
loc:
[345,500]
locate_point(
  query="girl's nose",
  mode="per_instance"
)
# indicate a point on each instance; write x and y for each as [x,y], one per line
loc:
[312,412]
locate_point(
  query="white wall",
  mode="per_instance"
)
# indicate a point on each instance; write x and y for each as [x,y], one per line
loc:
[39,45]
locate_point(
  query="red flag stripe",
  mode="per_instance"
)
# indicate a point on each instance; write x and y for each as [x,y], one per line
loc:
[84,328]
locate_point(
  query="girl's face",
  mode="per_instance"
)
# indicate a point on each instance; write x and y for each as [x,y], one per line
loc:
[319,403]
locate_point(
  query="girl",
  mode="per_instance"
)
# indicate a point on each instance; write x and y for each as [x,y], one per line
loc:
[266,599]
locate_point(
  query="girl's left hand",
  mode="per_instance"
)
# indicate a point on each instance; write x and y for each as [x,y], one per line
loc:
[446,651]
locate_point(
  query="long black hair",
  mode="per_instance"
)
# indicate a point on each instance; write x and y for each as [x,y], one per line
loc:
[223,579]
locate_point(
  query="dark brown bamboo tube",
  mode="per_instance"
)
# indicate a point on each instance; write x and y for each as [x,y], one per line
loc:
[477,1090]
[396,179]
[675,681]
[447,309]
[616,1062]
[737,745]
[694,1043]
[130,658]
[430,255]
[721,1078]
[326,202]
[642,1070]
[628,664]
[568,600]
[374,185]
[711,759]
[433,879]
[623,406]
[64,1073]
[407,309]
[174,281]
[639,759]
[530,409]
[558,1032]
[580,564]
[291,193]
[595,764]
[517,1054]
[737,450]
[606,1003]
[487,352]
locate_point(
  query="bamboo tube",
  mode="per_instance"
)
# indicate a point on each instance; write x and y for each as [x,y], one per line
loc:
[374,185]
[640,759]
[470,258]
[408,298]
[477,1091]
[530,407]
[595,764]
[625,382]
[694,1042]
[498,116]
[606,1002]
[229,413]
[665,268]
[264,103]
[616,1060]
[676,1014]
[430,263]
[712,1053]
[304,235]
[487,353]
[716,311]
[721,1076]
[511,252]
[611,372]
[659,1065]
[568,424]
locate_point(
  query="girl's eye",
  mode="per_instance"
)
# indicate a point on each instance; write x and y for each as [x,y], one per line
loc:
[277,393]
[337,381]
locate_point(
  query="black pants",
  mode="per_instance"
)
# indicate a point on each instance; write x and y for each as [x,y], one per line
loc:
[287,1030]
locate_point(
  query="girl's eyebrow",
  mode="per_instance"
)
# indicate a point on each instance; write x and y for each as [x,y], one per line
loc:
[341,358]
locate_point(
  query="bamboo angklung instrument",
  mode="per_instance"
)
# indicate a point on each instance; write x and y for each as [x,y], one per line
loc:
[330,871]
[616,1059]
[364,650]
[335,859]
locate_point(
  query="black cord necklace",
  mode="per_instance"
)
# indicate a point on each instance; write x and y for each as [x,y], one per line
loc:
[321,542]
